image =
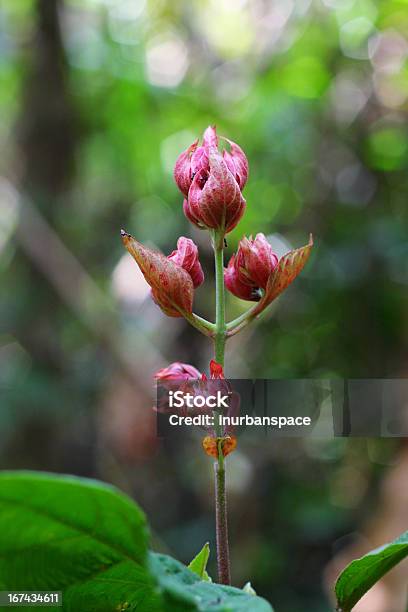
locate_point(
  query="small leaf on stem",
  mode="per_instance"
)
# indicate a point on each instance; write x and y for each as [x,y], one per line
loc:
[172,287]
[288,268]
[199,564]
[248,589]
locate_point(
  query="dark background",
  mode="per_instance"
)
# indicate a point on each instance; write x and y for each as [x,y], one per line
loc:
[97,99]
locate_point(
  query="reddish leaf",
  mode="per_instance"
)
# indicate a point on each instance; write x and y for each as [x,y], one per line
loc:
[216,370]
[289,266]
[172,287]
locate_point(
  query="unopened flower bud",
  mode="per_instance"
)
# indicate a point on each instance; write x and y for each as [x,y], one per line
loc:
[178,371]
[186,256]
[257,259]
[281,276]
[234,284]
[211,182]
[249,270]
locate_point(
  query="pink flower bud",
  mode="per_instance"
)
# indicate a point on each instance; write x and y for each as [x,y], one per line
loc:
[178,371]
[249,270]
[186,256]
[256,259]
[234,284]
[212,182]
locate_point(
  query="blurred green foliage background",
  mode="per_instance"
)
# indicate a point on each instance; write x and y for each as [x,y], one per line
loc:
[98,97]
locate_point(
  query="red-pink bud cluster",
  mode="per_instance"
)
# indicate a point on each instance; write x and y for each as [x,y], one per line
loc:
[212,179]
[212,182]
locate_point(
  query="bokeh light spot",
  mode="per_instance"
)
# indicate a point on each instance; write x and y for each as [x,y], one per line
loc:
[354,35]
[166,61]
[305,77]
[388,149]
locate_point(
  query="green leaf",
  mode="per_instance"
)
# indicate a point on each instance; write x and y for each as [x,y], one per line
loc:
[183,591]
[288,268]
[362,574]
[89,541]
[199,564]
[79,536]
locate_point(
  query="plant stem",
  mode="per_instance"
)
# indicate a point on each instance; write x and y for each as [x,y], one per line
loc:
[237,324]
[223,562]
[220,328]
[203,326]
[221,521]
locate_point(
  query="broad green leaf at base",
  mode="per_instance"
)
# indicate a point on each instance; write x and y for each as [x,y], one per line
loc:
[88,540]
[74,535]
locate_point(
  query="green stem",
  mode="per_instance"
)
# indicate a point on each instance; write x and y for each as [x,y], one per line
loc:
[203,326]
[221,521]
[237,324]
[220,327]
[207,324]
